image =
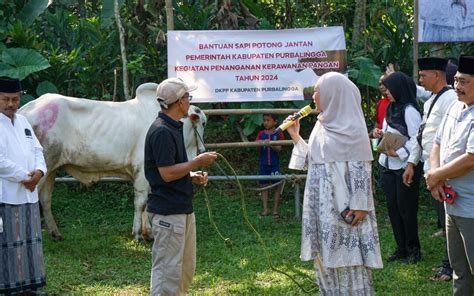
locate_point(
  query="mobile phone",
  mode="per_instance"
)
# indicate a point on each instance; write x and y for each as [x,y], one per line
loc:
[347,219]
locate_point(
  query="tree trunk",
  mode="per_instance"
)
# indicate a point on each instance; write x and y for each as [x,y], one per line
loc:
[169,15]
[288,15]
[359,22]
[123,51]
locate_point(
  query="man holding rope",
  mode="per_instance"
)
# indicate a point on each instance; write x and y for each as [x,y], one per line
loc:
[170,175]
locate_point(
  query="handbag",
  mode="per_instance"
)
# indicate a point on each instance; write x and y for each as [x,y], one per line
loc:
[391,140]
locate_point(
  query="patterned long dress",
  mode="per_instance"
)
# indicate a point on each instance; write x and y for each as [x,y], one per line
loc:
[343,254]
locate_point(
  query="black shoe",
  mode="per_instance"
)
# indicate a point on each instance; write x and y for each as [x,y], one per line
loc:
[398,255]
[414,257]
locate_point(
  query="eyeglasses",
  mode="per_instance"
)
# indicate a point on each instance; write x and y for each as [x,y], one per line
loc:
[188,96]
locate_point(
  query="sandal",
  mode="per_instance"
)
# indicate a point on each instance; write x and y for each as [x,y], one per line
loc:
[276,215]
[443,274]
[263,214]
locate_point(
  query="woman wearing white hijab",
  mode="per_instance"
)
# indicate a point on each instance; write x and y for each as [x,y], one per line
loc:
[344,247]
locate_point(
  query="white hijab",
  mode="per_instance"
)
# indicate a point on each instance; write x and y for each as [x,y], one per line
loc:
[340,133]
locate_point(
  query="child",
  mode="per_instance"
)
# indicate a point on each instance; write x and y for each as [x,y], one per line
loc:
[270,161]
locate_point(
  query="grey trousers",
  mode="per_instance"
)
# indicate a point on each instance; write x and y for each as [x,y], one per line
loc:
[460,234]
[173,254]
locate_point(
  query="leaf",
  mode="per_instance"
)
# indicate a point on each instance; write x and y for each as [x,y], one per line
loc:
[46,87]
[253,8]
[107,14]
[31,11]
[368,72]
[353,73]
[25,99]
[18,63]
[249,128]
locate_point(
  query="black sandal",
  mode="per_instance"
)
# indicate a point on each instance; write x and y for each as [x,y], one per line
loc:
[443,274]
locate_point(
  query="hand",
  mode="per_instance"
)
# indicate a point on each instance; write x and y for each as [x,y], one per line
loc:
[359,216]
[199,178]
[205,159]
[408,174]
[389,69]
[433,179]
[35,177]
[293,130]
[377,133]
[437,193]
[390,152]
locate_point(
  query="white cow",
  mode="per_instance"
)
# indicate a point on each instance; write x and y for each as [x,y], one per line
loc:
[93,139]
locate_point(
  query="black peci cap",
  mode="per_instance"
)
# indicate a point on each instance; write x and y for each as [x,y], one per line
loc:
[10,85]
[466,64]
[432,64]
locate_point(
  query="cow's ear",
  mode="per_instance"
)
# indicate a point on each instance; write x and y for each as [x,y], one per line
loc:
[193,117]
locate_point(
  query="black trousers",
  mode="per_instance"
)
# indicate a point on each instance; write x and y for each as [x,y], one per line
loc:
[402,203]
[439,206]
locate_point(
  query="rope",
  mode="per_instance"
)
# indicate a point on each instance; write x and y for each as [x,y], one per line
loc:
[259,189]
[229,243]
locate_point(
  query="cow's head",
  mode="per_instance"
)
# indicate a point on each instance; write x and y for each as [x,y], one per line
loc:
[193,130]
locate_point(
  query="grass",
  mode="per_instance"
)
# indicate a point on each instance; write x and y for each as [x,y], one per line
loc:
[99,257]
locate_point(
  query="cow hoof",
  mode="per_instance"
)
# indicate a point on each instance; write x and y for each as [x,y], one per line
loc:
[147,238]
[138,239]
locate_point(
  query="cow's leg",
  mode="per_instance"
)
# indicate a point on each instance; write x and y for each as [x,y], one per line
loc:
[141,189]
[45,196]
[146,226]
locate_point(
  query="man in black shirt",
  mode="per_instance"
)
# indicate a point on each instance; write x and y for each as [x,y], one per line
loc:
[170,207]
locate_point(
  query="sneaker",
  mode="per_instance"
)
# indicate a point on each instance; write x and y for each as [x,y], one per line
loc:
[398,255]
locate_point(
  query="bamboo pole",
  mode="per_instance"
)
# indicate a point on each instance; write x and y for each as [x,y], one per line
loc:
[415,41]
[250,111]
[249,144]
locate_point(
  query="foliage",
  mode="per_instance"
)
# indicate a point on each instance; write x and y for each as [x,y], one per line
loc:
[367,72]
[80,40]
[31,11]
[18,63]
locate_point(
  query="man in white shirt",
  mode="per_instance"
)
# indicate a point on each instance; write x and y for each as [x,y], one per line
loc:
[452,169]
[21,167]
[433,79]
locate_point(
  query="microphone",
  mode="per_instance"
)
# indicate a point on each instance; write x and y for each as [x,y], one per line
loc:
[305,111]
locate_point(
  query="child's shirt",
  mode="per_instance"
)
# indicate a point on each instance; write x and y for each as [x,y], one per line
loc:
[269,156]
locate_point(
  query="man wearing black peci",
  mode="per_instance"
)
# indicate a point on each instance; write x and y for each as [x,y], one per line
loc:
[432,78]
[22,166]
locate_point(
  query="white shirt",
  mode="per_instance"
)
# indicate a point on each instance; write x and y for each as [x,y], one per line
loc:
[456,137]
[413,120]
[20,154]
[440,108]
[422,95]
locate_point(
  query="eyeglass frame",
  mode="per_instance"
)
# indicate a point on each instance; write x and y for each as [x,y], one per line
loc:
[187,96]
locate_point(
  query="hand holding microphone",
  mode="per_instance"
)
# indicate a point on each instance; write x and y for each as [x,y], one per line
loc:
[305,111]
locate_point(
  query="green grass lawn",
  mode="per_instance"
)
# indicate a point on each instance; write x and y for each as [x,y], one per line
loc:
[99,256]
